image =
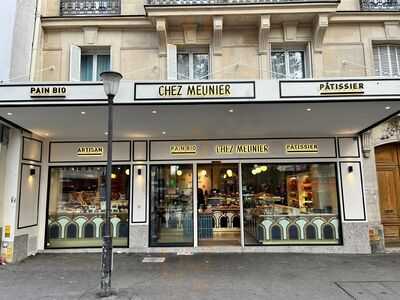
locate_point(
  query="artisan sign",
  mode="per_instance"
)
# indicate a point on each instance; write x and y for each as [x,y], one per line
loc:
[301,148]
[334,88]
[90,151]
[183,149]
[241,148]
[195,90]
[48,91]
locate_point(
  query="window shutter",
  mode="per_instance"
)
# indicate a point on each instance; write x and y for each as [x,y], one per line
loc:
[75,63]
[172,64]
[377,61]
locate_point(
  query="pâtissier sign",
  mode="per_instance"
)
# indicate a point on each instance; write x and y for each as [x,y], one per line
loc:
[206,90]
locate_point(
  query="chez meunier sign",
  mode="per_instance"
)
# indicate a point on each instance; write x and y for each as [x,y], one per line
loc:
[194,90]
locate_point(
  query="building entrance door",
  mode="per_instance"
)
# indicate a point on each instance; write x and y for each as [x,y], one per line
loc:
[388,169]
[218,204]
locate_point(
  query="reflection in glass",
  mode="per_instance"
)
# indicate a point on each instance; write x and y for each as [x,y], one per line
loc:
[278,65]
[171,205]
[183,66]
[77,206]
[290,203]
[296,64]
[200,66]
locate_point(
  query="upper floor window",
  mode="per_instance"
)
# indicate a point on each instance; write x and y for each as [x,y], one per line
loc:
[92,65]
[192,64]
[289,63]
[86,64]
[188,63]
[387,60]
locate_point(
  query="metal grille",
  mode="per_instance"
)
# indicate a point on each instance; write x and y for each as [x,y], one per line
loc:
[380,5]
[90,7]
[222,2]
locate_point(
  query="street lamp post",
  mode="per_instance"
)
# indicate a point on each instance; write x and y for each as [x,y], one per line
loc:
[111,82]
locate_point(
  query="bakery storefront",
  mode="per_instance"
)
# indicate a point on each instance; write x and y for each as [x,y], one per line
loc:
[245,166]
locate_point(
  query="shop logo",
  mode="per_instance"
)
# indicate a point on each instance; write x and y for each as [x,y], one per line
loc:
[90,151]
[335,88]
[301,148]
[183,149]
[242,149]
[49,91]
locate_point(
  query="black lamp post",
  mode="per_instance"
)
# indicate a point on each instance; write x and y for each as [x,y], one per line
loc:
[111,82]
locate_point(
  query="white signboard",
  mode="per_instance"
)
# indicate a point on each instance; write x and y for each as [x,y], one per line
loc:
[338,88]
[194,90]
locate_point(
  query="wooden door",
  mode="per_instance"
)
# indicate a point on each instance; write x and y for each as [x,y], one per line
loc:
[388,169]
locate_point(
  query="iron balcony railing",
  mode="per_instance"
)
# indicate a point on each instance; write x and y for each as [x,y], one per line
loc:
[380,5]
[226,2]
[90,7]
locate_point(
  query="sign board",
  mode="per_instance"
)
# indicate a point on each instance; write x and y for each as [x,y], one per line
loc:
[48,91]
[71,151]
[336,88]
[201,90]
[243,149]
[91,151]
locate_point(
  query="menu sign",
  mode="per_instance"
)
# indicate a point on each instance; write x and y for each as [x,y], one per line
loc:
[194,90]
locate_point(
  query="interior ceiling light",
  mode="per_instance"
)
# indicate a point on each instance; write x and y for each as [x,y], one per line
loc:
[231,110]
[9,114]
[83,112]
[105,133]
[164,132]
[308,109]
[179,172]
[387,107]
[154,112]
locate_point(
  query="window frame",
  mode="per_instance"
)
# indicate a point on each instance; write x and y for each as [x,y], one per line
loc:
[191,51]
[293,48]
[94,52]
[377,47]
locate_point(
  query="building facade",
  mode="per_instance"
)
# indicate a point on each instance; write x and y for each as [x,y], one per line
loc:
[240,126]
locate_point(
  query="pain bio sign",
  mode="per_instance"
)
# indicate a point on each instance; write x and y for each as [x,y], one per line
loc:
[48,91]
[194,90]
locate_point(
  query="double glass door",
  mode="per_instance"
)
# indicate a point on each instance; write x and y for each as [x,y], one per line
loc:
[172,195]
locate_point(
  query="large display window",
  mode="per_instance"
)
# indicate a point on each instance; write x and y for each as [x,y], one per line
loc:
[171,205]
[76,207]
[290,204]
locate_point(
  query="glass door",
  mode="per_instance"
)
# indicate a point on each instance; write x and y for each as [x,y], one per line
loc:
[218,204]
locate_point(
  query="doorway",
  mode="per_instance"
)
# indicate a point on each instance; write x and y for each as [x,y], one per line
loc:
[387,159]
[218,204]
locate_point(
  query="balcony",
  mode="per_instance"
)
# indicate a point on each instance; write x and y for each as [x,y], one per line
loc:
[90,7]
[380,5]
[225,2]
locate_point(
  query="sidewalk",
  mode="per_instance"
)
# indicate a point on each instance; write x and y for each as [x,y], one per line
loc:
[207,276]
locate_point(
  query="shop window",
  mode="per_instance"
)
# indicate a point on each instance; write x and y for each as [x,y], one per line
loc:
[289,63]
[77,205]
[387,60]
[298,199]
[88,64]
[189,63]
[171,205]
[89,231]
